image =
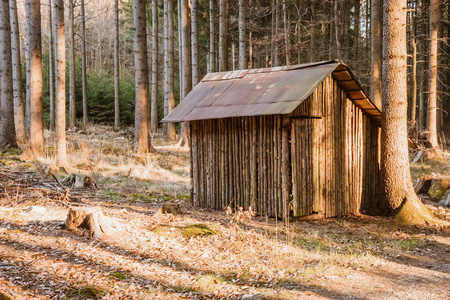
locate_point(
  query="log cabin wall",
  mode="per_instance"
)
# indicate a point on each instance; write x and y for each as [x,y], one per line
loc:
[334,159]
[334,154]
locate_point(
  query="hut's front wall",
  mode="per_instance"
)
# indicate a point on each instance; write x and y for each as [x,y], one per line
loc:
[237,162]
[333,159]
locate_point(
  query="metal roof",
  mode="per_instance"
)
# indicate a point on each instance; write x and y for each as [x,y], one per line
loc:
[267,91]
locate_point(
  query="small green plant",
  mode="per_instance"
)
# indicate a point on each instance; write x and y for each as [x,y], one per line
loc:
[198,230]
[118,275]
[87,292]
[411,244]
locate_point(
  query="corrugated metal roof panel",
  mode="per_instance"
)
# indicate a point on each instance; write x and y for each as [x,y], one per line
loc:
[264,91]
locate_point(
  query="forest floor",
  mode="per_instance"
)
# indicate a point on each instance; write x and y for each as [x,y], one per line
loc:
[199,254]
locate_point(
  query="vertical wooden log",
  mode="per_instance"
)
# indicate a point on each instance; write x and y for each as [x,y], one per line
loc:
[285,165]
[253,164]
[193,152]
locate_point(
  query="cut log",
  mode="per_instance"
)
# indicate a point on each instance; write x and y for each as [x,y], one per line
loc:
[77,180]
[435,186]
[90,218]
[169,208]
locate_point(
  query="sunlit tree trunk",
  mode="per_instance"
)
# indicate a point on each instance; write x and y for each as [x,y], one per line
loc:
[7,128]
[116,66]
[399,196]
[312,43]
[51,72]
[223,36]
[19,117]
[186,64]
[169,61]
[376,43]
[83,63]
[286,34]
[142,128]
[155,62]
[72,107]
[34,49]
[431,132]
[60,72]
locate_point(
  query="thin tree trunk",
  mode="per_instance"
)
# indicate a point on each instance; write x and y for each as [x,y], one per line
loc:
[223,36]
[432,100]
[155,61]
[243,57]
[274,44]
[7,128]
[194,43]
[51,71]
[399,196]
[312,47]
[142,129]
[336,28]
[19,117]
[186,65]
[376,42]
[212,36]
[83,64]
[169,77]
[34,49]
[414,81]
[60,71]
[72,107]
[116,66]
[357,26]
[286,34]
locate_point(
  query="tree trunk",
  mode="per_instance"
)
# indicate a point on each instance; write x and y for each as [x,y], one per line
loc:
[432,100]
[194,43]
[399,196]
[60,70]
[336,28]
[357,25]
[155,61]
[7,128]
[312,45]
[34,49]
[72,107]
[142,129]
[274,38]
[186,65]
[169,77]
[116,66]
[243,57]
[286,34]
[83,64]
[19,117]
[212,36]
[376,42]
[51,71]
[223,36]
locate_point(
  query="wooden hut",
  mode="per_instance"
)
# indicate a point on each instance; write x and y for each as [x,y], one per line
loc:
[292,141]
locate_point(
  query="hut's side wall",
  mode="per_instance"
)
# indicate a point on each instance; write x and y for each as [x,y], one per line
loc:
[335,154]
[237,162]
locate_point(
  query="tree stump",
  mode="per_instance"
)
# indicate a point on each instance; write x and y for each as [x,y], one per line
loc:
[434,186]
[169,208]
[79,181]
[90,218]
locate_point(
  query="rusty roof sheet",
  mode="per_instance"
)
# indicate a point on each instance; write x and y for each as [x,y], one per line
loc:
[266,91]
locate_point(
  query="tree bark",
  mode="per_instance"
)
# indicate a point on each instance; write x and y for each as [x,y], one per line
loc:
[155,62]
[195,43]
[312,45]
[243,57]
[399,196]
[169,77]
[51,71]
[7,128]
[116,66]
[83,63]
[186,64]
[72,106]
[212,36]
[376,43]
[431,133]
[34,49]
[286,34]
[60,70]
[19,117]
[142,128]
[223,36]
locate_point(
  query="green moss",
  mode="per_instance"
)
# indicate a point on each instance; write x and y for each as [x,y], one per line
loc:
[118,275]
[87,292]
[14,151]
[198,230]
[412,243]
[183,197]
